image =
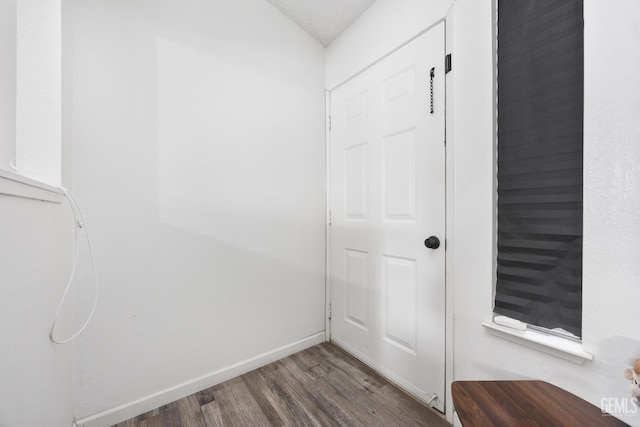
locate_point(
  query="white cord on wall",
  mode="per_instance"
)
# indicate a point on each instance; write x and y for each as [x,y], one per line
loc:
[79,224]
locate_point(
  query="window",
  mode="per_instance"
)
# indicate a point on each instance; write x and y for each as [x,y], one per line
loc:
[540,121]
[30,88]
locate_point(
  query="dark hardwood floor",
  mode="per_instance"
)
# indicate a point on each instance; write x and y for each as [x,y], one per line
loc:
[320,386]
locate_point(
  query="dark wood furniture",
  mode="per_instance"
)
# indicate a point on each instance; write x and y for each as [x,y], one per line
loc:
[523,403]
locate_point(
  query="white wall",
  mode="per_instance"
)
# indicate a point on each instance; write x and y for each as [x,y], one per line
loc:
[198,157]
[7,82]
[612,194]
[35,260]
[378,31]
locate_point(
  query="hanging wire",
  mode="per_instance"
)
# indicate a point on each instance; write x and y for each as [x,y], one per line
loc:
[80,224]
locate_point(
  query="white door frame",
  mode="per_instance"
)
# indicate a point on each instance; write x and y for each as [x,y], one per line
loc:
[449,219]
[327,233]
[449,196]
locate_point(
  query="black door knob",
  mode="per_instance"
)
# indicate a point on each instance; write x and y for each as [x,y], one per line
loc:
[432,242]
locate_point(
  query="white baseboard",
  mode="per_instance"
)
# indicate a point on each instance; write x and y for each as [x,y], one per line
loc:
[129,410]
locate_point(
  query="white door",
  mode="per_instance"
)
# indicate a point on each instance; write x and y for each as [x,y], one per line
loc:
[387,196]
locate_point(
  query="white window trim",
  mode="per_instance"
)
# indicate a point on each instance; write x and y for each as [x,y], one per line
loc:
[554,345]
[551,344]
[37,147]
[13,184]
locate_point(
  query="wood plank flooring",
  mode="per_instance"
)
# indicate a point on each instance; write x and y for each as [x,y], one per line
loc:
[320,386]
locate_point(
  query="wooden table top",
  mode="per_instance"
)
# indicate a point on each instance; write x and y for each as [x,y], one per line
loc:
[524,403]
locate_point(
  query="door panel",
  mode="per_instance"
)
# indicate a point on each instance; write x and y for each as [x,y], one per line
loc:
[387,195]
[357,283]
[399,152]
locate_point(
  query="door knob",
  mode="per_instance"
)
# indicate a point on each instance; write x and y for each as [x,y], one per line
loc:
[432,242]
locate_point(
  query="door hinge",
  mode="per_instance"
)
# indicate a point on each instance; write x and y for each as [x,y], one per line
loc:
[330,311]
[330,217]
[447,63]
[329,122]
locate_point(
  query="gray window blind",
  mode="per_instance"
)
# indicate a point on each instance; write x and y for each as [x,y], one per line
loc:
[540,122]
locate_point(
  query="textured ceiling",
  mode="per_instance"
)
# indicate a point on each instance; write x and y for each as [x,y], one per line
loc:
[325,20]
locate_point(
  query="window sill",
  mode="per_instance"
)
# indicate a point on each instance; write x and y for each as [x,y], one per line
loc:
[556,346]
[13,184]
